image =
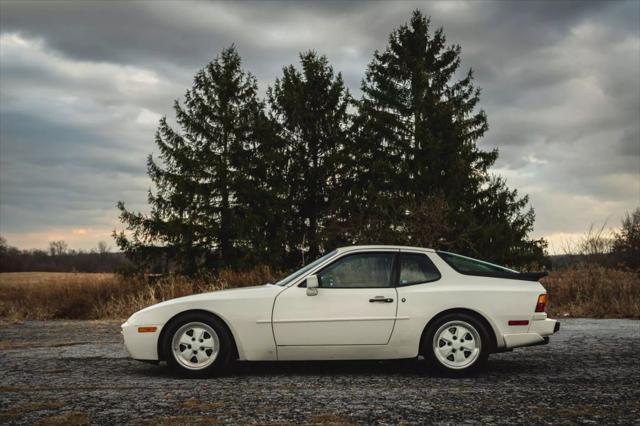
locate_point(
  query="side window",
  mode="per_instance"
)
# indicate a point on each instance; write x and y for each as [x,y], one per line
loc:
[417,268]
[358,271]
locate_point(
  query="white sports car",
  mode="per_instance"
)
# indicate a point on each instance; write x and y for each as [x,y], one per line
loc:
[361,302]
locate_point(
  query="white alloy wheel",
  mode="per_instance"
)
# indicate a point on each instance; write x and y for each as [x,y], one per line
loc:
[457,344]
[195,345]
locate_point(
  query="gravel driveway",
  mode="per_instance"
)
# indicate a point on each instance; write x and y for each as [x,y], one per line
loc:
[75,372]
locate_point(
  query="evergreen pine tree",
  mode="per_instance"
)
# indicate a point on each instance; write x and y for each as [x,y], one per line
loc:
[200,207]
[310,107]
[416,134]
[626,242]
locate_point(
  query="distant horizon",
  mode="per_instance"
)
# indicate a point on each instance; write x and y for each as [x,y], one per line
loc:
[552,251]
[82,89]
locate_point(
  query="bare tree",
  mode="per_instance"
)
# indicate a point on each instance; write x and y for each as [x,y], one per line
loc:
[596,242]
[426,225]
[103,248]
[58,248]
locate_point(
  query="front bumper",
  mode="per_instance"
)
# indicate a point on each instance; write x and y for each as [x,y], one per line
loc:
[537,334]
[141,346]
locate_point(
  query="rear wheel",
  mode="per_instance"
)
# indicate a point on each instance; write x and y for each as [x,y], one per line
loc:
[197,345]
[456,344]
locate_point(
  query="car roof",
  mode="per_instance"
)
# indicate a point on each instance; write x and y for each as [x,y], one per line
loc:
[381,247]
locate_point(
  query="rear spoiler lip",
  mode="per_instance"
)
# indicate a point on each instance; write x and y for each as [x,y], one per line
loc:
[534,276]
[524,276]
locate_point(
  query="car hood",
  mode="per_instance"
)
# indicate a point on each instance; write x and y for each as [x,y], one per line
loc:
[210,299]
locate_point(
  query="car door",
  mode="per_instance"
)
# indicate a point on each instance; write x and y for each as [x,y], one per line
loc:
[355,304]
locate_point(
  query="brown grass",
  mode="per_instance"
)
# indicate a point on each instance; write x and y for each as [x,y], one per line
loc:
[327,419]
[587,291]
[38,295]
[183,421]
[45,296]
[28,408]
[71,418]
[593,291]
[195,404]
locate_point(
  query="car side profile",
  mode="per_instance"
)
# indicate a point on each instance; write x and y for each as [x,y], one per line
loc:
[359,302]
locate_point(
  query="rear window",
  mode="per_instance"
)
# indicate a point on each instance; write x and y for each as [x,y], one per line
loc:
[416,269]
[470,266]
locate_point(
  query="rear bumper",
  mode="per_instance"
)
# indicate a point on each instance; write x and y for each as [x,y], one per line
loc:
[537,334]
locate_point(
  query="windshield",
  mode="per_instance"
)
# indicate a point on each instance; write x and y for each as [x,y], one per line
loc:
[468,265]
[304,269]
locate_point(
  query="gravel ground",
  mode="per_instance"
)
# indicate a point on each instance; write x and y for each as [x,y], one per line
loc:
[75,372]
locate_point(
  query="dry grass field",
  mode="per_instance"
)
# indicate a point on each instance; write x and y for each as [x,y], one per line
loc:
[44,296]
[587,291]
[593,291]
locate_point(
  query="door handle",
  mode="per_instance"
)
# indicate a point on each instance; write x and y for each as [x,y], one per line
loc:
[381,300]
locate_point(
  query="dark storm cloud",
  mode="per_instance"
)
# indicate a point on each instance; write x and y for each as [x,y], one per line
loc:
[82,85]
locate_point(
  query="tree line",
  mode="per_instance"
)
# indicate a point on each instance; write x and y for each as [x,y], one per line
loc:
[619,250]
[240,180]
[599,245]
[60,258]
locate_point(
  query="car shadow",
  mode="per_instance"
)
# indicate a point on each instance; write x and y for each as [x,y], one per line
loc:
[405,367]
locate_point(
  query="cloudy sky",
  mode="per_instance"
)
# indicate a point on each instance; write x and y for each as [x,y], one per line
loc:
[82,85]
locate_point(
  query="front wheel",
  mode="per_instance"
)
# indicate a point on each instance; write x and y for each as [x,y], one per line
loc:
[197,345]
[456,344]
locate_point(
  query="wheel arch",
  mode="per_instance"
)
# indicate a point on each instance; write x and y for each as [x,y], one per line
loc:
[234,349]
[471,312]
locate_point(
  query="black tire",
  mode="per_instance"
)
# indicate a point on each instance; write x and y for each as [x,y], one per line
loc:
[444,365]
[222,360]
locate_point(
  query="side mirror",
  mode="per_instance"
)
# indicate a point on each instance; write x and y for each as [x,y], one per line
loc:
[312,285]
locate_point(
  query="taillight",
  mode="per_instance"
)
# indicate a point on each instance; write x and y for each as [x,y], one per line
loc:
[542,301]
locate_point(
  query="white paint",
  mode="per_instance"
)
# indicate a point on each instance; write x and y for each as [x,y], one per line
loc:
[284,323]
